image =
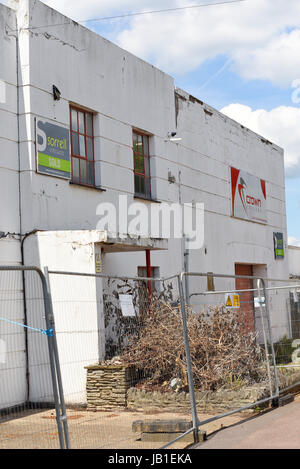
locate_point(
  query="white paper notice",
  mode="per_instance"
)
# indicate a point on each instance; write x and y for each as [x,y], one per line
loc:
[259,301]
[126,304]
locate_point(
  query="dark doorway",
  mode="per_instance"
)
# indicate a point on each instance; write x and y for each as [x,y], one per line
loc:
[247,315]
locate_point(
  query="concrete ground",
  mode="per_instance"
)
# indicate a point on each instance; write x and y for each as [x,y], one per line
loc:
[93,430]
[276,429]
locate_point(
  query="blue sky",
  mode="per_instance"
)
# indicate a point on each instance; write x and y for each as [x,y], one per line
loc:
[241,58]
[228,87]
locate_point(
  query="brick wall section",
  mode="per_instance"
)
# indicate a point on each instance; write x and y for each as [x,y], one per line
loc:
[220,401]
[106,386]
[111,386]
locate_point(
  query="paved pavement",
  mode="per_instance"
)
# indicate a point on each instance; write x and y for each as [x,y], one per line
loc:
[92,430]
[277,429]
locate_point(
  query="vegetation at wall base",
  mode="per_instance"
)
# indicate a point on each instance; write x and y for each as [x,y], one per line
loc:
[283,351]
[224,354]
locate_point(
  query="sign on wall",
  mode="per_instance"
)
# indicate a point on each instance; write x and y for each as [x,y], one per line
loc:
[232,300]
[248,194]
[53,149]
[126,304]
[278,245]
[98,263]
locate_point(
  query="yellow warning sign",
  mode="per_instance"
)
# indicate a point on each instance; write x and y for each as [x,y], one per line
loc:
[236,301]
[228,301]
[98,262]
[232,300]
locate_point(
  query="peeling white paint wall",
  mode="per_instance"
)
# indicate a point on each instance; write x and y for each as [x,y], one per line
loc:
[9,166]
[13,363]
[77,305]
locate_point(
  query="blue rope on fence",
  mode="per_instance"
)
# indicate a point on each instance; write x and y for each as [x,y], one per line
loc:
[48,332]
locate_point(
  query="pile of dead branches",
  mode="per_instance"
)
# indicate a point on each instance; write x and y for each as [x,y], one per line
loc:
[222,353]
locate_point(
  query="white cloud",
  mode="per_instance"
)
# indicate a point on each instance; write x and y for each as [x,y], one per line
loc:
[277,61]
[293,241]
[261,37]
[81,10]
[280,125]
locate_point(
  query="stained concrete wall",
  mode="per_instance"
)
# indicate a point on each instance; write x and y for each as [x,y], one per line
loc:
[9,165]
[77,308]
[12,339]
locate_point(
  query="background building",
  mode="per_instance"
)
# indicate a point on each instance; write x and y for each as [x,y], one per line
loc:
[99,105]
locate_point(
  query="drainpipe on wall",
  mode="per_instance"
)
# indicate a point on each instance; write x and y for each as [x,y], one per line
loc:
[14,5]
[23,238]
[18,128]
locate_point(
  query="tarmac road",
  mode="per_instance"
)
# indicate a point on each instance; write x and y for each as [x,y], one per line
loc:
[277,429]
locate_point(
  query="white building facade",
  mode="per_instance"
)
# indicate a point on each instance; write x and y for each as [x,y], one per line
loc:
[111,104]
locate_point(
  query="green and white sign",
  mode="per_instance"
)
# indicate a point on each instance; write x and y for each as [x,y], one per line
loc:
[53,149]
[278,245]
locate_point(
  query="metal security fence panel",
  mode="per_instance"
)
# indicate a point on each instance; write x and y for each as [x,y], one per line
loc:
[28,406]
[280,304]
[294,295]
[122,353]
[231,344]
[284,300]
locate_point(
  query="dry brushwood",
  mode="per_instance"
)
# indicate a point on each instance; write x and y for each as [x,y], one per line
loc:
[222,353]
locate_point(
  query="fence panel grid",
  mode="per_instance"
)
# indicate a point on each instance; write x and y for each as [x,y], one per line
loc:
[137,363]
[231,341]
[122,356]
[27,405]
[284,300]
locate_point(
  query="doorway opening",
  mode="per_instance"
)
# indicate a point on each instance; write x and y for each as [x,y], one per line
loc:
[247,311]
